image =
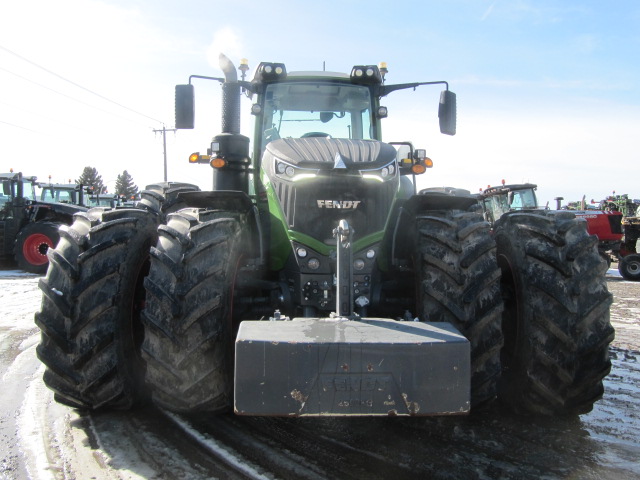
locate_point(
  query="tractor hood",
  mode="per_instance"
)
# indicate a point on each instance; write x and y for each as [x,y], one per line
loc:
[320,181]
[329,153]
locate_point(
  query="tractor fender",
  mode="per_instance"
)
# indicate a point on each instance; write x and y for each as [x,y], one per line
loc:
[230,201]
[62,211]
[447,199]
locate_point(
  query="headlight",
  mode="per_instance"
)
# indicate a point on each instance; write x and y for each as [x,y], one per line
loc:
[382,174]
[292,173]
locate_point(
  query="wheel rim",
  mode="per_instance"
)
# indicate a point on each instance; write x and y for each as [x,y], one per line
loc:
[633,267]
[35,248]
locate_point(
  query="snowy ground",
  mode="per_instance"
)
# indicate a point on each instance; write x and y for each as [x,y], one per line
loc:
[40,439]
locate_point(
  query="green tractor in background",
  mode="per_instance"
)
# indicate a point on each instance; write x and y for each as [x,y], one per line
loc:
[314,279]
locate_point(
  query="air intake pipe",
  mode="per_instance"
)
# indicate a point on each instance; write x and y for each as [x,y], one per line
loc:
[230,144]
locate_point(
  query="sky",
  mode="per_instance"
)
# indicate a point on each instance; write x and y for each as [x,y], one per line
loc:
[547,91]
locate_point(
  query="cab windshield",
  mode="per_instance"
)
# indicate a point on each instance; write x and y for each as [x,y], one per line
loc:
[316,110]
[523,199]
[29,190]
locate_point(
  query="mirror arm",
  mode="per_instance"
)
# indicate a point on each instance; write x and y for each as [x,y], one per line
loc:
[387,89]
[221,80]
[246,85]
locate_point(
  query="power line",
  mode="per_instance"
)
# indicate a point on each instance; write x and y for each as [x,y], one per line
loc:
[68,96]
[18,126]
[78,85]
[38,114]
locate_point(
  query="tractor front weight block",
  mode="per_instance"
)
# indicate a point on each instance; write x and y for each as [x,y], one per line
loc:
[341,367]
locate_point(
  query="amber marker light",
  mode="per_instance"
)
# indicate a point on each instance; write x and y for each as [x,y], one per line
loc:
[194,157]
[418,169]
[218,162]
[428,162]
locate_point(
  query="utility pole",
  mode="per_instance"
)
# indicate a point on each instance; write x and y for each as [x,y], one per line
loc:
[164,145]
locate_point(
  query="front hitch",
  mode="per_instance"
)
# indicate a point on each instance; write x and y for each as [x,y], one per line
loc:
[344,275]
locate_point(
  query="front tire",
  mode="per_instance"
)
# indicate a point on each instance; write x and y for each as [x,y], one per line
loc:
[556,319]
[629,267]
[459,283]
[92,297]
[188,343]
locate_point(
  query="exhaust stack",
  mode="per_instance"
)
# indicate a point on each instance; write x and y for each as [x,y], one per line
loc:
[230,96]
[230,145]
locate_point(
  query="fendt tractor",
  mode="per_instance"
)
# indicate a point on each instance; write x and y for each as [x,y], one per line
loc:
[29,225]
[314,279]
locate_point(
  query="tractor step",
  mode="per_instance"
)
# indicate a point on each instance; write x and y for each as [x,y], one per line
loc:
[336,367]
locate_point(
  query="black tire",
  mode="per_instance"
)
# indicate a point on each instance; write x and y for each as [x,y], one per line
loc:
[32,243]
[459,283]
[629,267]
[91,303]
[556,319]
[163,198]
[188,344]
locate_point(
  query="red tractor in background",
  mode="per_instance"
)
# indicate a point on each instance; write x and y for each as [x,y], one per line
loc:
[629,259]
[614,221]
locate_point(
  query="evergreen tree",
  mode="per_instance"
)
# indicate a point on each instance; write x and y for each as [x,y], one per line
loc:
[125,185]
[90,178]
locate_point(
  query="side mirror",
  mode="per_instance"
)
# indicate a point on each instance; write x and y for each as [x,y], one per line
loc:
[447,112]
[185,106]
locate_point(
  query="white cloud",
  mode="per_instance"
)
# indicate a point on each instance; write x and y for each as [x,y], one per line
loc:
[226,41]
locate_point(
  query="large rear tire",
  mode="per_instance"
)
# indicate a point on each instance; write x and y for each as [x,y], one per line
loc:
[188,344]
[164,197]
[92,298]
[459,283]
[556,319]
[32,243]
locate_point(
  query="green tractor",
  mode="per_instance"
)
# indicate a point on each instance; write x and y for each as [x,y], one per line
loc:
[621,203]
[314,279]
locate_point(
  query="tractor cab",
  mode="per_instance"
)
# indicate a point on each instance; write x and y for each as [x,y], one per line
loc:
[496,201]
[15,191]
[69,193]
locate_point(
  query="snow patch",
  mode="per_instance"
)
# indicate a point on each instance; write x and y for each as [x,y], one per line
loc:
[30,430]
[218,450]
